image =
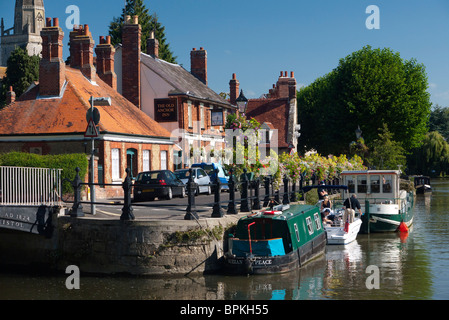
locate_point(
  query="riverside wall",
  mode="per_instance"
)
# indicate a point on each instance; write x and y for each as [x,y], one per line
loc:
[138,247]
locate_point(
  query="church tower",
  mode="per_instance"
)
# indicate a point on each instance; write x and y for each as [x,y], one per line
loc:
[29,19]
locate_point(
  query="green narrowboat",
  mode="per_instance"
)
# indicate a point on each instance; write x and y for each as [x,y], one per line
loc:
[275,241]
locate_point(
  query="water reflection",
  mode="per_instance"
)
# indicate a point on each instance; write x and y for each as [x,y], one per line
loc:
[409,268]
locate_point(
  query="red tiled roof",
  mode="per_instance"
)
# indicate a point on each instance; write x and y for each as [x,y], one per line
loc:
[274,111]
[30,114]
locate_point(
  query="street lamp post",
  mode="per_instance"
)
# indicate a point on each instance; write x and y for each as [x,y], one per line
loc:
[95,102]
[242,102]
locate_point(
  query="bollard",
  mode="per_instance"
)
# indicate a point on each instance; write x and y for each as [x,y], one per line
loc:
[285,199]
[127,210]
[191,213]
[244,201]
[77,208]
[232,209]
[256,202]
[293,194]
[217,210]
[266,199]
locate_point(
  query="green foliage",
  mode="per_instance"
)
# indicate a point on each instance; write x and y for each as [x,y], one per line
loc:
[387,153]
[432,158]
[439,121]
[21,71]
[148,22]
[368,88]
[66,162]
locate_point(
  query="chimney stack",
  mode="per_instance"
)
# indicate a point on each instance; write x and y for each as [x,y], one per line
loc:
[52,66]
[153,46]
[131,35]
[105,61]
[233,89]
[198,64]
[10,96]
[82,51]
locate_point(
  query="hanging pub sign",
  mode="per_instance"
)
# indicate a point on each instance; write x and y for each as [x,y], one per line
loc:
[165,110]
[217,118]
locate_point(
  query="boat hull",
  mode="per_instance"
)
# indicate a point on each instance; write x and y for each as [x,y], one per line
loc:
[337,235]
[278,264]
[380,219]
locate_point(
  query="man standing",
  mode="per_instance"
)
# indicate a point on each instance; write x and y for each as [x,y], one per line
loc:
[350,205]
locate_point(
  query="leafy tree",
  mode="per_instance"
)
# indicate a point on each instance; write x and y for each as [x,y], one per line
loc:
[21,71]
[368,88]
[432,158]
[439,121]
[148,22]
[387,153]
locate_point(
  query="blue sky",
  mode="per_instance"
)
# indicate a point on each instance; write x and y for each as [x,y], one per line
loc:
[256,39]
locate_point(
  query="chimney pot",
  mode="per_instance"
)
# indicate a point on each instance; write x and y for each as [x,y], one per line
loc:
[292,74]
[108,39]
[55,22]
[127,19]
[136,19]
[101,40]
[86,29]
[48,22]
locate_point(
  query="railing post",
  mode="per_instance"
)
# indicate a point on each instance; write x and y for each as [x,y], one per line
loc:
[232,209]
[293,195]
[217,210]
[256,202]
[244,201]
[285,198]
[191,213]
[266,199]
[127,210]
[77,208]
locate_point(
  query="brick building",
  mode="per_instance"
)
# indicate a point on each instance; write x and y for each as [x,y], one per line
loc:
[275,110]
[179,100]
[50,117]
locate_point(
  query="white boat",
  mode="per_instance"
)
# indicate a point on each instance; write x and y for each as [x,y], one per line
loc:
[338,233]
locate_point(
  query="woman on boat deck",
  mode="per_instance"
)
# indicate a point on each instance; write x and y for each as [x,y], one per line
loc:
[326,210]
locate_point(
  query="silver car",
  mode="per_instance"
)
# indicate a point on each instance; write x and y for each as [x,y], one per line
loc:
[200,177]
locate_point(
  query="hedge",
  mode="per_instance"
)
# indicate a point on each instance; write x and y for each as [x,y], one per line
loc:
[66,162]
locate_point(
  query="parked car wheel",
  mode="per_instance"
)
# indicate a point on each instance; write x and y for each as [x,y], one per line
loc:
[183,193]
[169,194]
[209,190]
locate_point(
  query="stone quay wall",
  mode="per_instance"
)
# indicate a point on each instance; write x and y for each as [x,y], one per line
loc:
[139,247]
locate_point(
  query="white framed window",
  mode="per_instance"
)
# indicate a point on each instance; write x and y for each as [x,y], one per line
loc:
[163,160]
[189,113]
[317,220]
[202,115]
[115,164]
[146,160]
[309,225]
[296,231]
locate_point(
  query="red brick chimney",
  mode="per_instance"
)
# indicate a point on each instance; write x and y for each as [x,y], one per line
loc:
[10,96]
[198,64]
[105,61]
[52,66]
[131,34]
[233,89]
[153,46]
[82,51]
[285,86]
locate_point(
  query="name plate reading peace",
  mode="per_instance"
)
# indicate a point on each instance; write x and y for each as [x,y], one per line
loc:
[165,110]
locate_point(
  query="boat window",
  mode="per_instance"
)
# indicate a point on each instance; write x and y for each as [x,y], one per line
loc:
[309,225]
[386,184]
[296,232]
[351,185]
[317,221]
[361,184]
[375,184]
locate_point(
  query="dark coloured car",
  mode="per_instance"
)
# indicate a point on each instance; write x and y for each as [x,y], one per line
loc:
[162,184]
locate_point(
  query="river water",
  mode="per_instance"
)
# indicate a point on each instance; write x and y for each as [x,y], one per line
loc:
[411,267]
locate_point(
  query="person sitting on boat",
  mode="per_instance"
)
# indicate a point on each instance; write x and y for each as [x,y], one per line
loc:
[327,216]
[321,192]
[350,205]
